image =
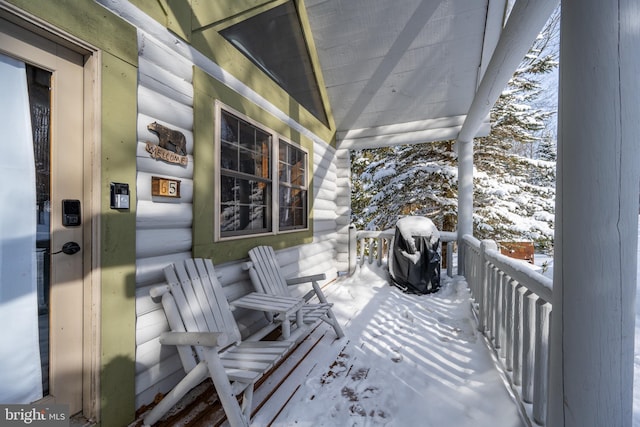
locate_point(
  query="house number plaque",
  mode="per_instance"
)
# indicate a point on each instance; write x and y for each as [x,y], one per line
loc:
[165,187]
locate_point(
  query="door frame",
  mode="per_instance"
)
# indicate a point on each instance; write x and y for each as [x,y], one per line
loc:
[91,198]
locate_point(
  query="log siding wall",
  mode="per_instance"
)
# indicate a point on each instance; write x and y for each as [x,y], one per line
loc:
[164,226]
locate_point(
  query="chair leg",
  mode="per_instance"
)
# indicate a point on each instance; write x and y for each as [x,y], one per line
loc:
[247,401]
[333,321]
[225,392]
[192,379]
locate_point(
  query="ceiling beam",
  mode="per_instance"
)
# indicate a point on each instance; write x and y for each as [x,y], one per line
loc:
[416,132]
[524,24]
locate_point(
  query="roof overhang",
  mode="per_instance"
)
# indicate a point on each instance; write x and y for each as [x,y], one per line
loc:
[418,70]
[403,72]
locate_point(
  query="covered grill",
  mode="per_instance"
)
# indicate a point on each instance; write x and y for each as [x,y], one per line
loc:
[414,261]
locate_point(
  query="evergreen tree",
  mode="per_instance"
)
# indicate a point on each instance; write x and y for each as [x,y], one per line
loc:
[513,193]
[547,149]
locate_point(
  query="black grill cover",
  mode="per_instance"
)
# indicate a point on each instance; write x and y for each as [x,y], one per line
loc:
[414,262]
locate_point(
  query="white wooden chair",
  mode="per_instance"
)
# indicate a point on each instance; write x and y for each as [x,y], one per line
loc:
[267,277]
[208,340]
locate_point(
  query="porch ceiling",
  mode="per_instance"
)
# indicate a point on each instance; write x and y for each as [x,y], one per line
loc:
[402,72]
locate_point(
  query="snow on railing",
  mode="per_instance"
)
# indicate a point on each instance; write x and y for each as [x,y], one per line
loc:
[373,247]
[512,303]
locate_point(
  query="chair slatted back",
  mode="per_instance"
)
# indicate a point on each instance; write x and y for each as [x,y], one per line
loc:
[200,300]
[268,270]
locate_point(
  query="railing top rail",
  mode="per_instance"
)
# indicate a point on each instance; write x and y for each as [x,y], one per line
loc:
[471,241]
[535,282]
[367,234]
[540,285]
[445,236]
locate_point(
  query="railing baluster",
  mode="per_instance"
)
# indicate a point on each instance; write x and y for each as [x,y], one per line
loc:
[517,335]
[514,307]
[541,380]
[502,336]
[511,301]
[528,346]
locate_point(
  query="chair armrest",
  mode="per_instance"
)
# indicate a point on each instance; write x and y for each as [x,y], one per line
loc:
[306,279]
[205,339]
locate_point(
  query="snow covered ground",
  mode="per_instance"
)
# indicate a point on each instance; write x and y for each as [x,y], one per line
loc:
[406,360]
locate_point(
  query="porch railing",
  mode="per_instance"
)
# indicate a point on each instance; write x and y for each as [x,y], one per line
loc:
[372,247]
[513,306]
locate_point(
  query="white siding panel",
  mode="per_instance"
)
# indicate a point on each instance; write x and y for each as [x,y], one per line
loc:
[153,51]
[159,370]
[325,194]
[164,108]
[149,270]
[159,80]
[144,303]
[149,326]
[150,215]
[151,353]
[322,204]
[152,243]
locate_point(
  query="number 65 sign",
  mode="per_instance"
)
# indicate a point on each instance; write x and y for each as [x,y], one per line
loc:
[165,187]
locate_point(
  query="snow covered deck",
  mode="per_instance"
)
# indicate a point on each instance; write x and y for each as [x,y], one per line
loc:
[406,360]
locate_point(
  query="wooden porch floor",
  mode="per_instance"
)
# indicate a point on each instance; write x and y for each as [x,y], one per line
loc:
[406,360]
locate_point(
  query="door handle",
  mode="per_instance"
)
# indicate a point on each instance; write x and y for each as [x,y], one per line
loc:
[69,248]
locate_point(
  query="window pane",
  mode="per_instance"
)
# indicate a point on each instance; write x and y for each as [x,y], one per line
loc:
[292,193]
[228,128]
[228,156]
[228,189]
[247,164]
[247,136]
[245,181]
[228,218]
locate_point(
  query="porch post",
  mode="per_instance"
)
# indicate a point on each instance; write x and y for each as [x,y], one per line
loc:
[592,332]
[525,22]
[465,195]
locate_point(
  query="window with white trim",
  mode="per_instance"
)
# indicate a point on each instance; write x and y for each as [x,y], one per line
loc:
[256,194]
[245,177]
[292,187]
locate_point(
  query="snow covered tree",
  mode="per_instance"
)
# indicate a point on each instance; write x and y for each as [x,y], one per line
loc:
[513,193]
[547,149]
[404,180]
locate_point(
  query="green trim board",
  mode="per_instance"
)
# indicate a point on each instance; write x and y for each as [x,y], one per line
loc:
[206,91]
[174,14]
[118,315]
[88,21]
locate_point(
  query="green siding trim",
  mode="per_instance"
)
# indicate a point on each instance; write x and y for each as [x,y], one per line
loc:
[173,14]
[87,21]
[313,54]
[206,91]
[118,244]
[117,41]
[208,13]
